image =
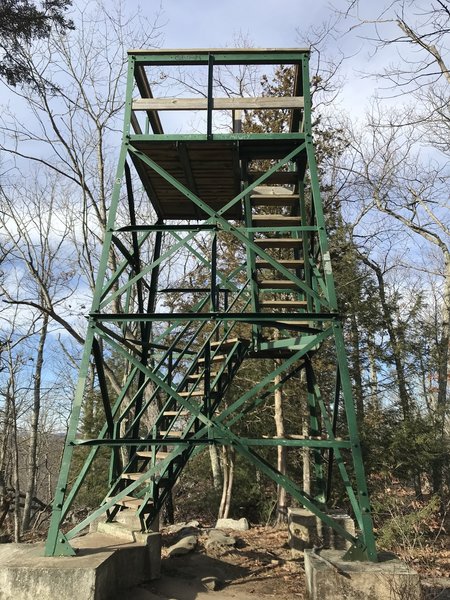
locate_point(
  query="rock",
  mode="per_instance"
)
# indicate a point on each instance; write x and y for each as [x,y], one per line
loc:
[237,524]
[177,527]
[212,583]
[217,540]
[183,546]
[187,531]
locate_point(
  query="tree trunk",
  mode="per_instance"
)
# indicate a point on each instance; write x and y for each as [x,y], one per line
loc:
[228,457]
[215,467]
[374,401]
[355,361]
[16,478]
[306,458]
[396,345]
[32,465]
[443,371]
[281,450]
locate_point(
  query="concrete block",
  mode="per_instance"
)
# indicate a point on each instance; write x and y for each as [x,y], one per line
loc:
[305,530]
[302,530]
[103,565]
[332,540]
[389,579]
[123,532]
[129,518]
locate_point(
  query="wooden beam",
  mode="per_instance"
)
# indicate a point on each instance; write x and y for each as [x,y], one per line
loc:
[153,104]
[144,89]
[187,51]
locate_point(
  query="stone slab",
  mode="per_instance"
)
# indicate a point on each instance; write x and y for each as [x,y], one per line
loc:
[103,565]
[388,579]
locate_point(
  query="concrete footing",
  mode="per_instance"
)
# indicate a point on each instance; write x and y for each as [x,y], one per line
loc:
[104,565]
[328,577]
[305,530]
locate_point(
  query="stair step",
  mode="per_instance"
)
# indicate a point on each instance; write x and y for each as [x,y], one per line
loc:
[274,199]
[171,433]
[288,324]
[283,303]
[225,343]
[129,502]
[285,284]
[288,264]
[275,220]
[216,358]
[177,413]
[196,393]
[279,242]
[149,454]
[228,344]
[197,376]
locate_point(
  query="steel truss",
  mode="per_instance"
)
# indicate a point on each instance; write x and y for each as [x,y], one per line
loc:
[277,301]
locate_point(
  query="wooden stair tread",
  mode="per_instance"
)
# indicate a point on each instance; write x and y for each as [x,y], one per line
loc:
[288,264]
[269,220]
[279,242]
[231,341]
[215,358]
[284,303]
[175,413]
[129,502]
[149,454]
[195,393]
[228,344]
[172,433]
[277,283]
[197,376]
[273,199]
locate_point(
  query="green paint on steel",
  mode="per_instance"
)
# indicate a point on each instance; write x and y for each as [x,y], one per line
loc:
[171,358]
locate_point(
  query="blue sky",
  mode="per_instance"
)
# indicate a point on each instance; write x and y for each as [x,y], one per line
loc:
[265,24]
[268,23]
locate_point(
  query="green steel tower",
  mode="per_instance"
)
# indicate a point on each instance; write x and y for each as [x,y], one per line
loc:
[259,194]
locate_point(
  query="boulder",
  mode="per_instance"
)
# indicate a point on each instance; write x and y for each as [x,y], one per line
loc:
[217,540]
[236,524]
[183,546]
[177,527]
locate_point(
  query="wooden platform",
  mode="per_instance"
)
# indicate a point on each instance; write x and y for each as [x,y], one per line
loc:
[210,169]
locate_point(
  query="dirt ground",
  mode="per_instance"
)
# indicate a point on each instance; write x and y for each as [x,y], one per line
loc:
[260,566]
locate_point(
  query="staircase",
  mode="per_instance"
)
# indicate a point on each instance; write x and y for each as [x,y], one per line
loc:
[274,216]
[159,461]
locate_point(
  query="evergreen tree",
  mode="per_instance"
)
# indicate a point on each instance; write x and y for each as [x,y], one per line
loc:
[21,22]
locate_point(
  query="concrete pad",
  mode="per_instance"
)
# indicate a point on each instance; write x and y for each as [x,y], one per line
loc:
[103,565]
[389,579]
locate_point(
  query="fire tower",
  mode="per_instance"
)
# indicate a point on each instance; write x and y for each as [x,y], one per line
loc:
[164,368]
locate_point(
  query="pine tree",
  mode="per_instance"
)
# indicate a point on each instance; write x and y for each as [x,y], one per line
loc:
[21,22]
